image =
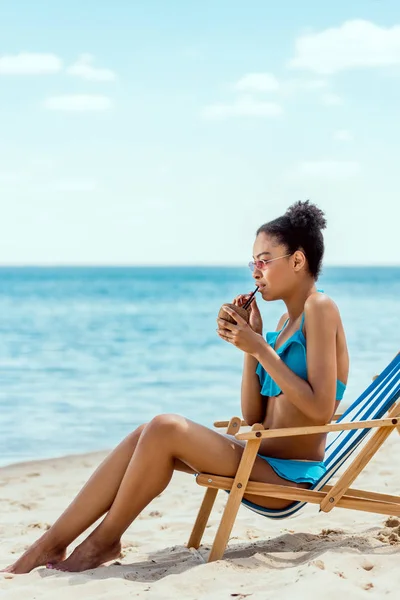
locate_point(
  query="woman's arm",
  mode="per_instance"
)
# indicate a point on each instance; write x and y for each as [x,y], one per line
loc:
[252,401]
[253,405]
[315,398]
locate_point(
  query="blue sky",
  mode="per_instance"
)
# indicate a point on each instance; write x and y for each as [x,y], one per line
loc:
[166,132]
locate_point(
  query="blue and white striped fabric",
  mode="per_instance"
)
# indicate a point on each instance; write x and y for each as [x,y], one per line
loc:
[374,403]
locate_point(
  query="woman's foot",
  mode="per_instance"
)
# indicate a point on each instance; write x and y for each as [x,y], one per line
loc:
[36,556]
[89,555]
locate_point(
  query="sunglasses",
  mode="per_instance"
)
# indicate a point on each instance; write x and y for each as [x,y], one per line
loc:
[260,265]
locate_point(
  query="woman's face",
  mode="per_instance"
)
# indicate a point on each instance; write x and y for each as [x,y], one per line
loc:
[277,277]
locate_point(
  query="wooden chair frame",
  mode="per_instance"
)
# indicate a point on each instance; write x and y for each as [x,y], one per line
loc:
[340,494]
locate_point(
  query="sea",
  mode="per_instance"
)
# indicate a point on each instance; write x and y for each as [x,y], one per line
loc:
[89,353]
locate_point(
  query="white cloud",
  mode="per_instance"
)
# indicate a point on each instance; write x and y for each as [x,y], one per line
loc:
[332,100]
[355,44]
[244,106]
[299,86]
[314,84]
[84,68]
[257,82]
[26,63]
[78,102]
[327,169]
[343,135]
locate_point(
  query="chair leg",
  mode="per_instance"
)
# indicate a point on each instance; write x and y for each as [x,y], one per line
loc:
[209,499]
[235,497]
[202,518]
[226,524]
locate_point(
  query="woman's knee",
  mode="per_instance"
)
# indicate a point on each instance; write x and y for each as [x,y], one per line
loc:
[167,425]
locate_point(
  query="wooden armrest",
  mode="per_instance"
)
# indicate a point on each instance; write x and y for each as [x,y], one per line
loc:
[293,431]
[219,424]
[226,423]
[337,416]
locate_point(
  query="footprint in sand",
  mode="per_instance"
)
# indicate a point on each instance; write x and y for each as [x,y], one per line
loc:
[367,566]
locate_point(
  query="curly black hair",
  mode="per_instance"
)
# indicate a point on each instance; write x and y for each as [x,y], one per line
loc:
[300,228]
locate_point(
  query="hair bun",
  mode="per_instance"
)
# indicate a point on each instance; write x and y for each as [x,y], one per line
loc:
[303,215]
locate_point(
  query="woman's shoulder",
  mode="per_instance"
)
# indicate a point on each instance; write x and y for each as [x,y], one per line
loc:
[321,306]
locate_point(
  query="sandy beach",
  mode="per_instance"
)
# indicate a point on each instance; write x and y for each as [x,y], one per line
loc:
[345,552]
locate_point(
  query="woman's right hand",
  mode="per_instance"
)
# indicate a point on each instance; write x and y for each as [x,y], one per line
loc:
[255,320]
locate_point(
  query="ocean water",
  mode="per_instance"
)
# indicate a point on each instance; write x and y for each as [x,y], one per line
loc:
[87,354]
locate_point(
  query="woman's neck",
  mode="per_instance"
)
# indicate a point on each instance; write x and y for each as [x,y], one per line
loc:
[295,302]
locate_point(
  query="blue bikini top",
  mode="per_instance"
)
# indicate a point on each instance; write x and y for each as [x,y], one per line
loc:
[293,354]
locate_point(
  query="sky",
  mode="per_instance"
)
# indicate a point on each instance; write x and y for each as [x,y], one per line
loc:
[167,132]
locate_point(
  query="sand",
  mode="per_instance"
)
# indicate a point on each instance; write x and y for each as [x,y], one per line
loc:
[305,556]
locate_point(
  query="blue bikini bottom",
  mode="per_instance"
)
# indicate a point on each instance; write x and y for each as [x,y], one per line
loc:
[299,471]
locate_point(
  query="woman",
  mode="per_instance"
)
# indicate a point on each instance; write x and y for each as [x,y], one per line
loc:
[295,377]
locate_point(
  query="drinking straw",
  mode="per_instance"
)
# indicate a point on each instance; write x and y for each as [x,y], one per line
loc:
[250,300]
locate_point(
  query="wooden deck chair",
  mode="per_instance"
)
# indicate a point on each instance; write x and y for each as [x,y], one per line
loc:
[365,417]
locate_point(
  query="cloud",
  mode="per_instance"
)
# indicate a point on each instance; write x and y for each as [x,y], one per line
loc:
[84,68]
[89,102]
[332,100]
[343,135]
[355,44]
[326,169]
[26,63]
[314,84]
[244,106]
[257,82]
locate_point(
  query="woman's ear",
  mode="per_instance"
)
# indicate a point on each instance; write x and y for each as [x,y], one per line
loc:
[299,260]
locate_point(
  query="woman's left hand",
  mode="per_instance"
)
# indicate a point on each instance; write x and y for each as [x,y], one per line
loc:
[240,334]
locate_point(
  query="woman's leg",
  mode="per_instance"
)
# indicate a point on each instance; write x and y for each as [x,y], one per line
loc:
[90,504]
[165,439]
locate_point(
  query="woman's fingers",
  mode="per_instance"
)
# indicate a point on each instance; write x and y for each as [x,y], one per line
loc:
[224,334]
[238,301]
[241,299]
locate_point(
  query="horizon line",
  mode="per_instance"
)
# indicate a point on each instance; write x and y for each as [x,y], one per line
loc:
[169,265]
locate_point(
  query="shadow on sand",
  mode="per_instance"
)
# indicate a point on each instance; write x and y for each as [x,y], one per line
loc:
[285,551]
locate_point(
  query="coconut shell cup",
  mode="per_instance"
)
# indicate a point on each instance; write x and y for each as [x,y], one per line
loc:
[239,309]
